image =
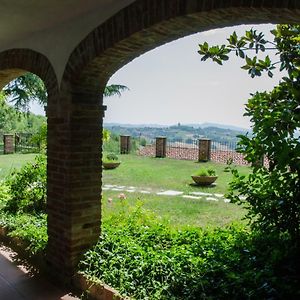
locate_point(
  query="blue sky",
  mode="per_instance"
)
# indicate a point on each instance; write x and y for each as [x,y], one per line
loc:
[171,84]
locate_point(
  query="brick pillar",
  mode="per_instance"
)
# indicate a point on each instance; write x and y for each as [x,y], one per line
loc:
[8,140]
[204,150]
[74,179]
[161,147]
[125,144]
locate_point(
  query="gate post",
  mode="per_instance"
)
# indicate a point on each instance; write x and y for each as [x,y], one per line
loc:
[160,147]
[8,140]
[124,144]
[204,150]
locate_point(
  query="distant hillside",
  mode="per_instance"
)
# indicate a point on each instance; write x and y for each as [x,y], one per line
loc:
[184,133]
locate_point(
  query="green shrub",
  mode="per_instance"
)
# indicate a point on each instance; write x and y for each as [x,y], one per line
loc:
[143,142]
[111,157]
[205,172]
[112,144]
[143,258]
[4,194]
[27,187]
[30,229]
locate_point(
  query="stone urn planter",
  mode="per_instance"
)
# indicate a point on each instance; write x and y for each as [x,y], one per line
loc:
[204,180]
[110,165]
[205,176]
[110,161]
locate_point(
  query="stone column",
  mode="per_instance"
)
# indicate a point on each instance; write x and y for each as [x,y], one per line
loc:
[161,147]
[8,140]
[204,150]
[74,178]
[125,144]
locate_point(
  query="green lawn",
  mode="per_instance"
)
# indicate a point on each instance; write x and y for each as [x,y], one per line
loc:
[178,211]
[155,175]
[9,162]
[166,174]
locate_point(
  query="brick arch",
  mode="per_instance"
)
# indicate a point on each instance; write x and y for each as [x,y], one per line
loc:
[16,62]
[145,25]
[74,142]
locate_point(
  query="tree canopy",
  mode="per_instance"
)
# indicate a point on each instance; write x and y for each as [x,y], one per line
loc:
[30,88]
[272,192]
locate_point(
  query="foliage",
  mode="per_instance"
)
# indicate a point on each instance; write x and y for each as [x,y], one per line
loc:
[143,258]
[205,172]
[114,90]
[105,135]
[30,88]
[13,121]
[112,157]
[4,194]
[24,89]
[31,229]
[40,138]
[272,192]
[112,144]
[178,133]
[27,188]
[143,142]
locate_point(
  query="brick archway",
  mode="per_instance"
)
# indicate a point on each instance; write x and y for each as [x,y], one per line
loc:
[145,25]
[75,108]
[137,29]
[16,62]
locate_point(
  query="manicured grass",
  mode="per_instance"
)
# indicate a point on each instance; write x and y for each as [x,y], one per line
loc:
[8,162]
[179,212]
[165,174]
[154,175]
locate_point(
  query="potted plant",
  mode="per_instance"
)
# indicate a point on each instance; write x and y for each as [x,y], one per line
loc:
[110,161]
[205,176]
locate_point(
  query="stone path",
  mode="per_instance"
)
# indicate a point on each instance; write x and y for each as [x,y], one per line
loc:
[190,195]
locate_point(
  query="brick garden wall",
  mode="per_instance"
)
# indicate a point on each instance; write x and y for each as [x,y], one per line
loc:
[219,156]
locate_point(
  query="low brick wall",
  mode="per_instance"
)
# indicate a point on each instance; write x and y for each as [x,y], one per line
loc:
[219,156]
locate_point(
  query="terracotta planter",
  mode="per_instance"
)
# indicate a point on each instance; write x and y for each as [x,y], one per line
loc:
[110,165]
[204,180]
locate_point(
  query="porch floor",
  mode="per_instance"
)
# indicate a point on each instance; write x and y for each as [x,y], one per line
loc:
[18,282]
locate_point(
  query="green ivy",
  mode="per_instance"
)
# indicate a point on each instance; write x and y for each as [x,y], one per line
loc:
[143,258]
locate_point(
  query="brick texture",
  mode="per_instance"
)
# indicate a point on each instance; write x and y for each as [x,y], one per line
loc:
[75,108]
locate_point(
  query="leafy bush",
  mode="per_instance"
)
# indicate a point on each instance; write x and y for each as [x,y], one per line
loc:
[112,144]
[111,157]
[27,187]
[205,172]
[30,229]
[40,138]
[143,142]
[143,258]
[271,193]
[4,194]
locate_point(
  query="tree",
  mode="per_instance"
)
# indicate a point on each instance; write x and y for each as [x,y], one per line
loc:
[271,193]
[30,87]
[114,90]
